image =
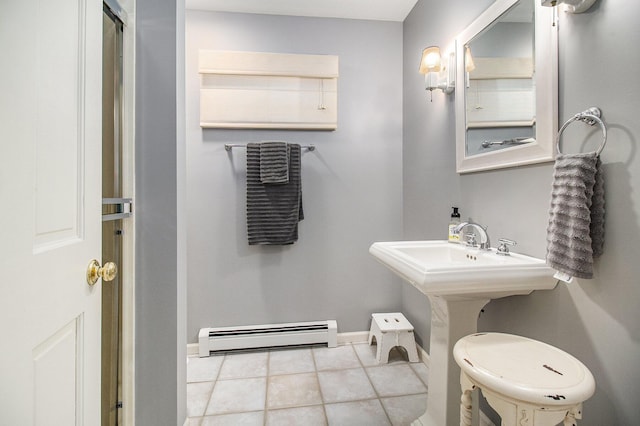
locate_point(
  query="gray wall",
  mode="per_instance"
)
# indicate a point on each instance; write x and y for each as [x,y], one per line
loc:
[352,183]
[160,333]
[430,183]
[181,218]
[595,320]
[505,40]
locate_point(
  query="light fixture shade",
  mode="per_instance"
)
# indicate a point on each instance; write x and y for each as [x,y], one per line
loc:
[468,60]
[430,61]
[571,6]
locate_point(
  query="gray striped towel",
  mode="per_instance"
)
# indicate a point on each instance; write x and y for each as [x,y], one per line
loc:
[273,210]
[575,234]
[274,162]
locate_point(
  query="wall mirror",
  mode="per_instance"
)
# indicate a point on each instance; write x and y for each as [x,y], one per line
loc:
[507,87]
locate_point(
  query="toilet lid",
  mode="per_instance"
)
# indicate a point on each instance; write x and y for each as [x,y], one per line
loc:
[524,369]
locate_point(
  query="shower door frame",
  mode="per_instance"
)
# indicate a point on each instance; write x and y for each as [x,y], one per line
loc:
[124,10]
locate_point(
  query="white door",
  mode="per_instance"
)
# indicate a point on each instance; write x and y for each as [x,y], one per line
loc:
[50,211]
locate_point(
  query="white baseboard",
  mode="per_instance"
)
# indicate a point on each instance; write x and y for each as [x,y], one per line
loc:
[343,339]
[353,337]
[192,349]
[424,355]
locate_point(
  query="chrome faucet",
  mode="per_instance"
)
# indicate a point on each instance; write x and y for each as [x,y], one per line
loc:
[485,243]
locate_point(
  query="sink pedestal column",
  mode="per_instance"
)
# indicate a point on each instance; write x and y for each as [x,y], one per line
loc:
[451,319]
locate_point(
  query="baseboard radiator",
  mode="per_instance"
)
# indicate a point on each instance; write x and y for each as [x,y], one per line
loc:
[267,336]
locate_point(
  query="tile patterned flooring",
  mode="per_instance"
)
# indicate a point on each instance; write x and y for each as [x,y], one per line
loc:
[306,386]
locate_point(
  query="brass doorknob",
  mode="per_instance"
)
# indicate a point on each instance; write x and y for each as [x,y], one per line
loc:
[107,272]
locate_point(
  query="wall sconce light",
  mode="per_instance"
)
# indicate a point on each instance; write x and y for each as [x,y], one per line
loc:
[571,6]
[469,65]
[437,75]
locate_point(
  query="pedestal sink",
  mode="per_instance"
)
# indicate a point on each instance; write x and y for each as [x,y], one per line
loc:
[458,281]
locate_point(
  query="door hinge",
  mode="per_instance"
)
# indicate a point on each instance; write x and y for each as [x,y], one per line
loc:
[119,404]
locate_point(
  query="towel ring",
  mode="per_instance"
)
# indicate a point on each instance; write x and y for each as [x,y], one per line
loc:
[590,116]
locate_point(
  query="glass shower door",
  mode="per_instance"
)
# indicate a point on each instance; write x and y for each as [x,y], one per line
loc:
[115,209]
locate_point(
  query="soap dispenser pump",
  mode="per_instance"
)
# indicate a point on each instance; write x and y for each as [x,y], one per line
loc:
[454,236]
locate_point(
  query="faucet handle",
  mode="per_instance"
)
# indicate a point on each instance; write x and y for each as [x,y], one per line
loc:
[471,240]
[503,250]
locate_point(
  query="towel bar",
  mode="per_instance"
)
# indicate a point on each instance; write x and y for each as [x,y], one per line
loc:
[230,146]
[590,116]
[120,208]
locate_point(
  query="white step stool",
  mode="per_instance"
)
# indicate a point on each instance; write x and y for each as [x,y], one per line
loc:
[391,330]
[525,381]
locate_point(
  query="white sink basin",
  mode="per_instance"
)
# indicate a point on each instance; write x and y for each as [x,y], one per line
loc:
[440,268]
[458,281]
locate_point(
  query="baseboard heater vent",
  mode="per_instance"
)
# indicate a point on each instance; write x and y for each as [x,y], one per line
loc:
[266,336]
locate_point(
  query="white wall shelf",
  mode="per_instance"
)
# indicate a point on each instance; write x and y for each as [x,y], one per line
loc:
[255,90]
[501,93]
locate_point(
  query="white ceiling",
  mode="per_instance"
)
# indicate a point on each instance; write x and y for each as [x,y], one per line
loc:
[379,10]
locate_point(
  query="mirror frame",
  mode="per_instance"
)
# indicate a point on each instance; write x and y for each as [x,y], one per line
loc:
[546,80]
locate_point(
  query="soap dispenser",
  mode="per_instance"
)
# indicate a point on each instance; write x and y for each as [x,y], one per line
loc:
[454,236]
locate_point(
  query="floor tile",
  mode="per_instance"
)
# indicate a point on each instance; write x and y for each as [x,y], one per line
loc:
[367,354]
[293,390]
[203,369]
[194,421]
[197,398]
[245,365]
[255,418]
[335,358]
[291,362]
[307,416]
[345,385]
[233,396]
[281,388]
[359,413]
[422,371]
[395,380]
[403,410]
